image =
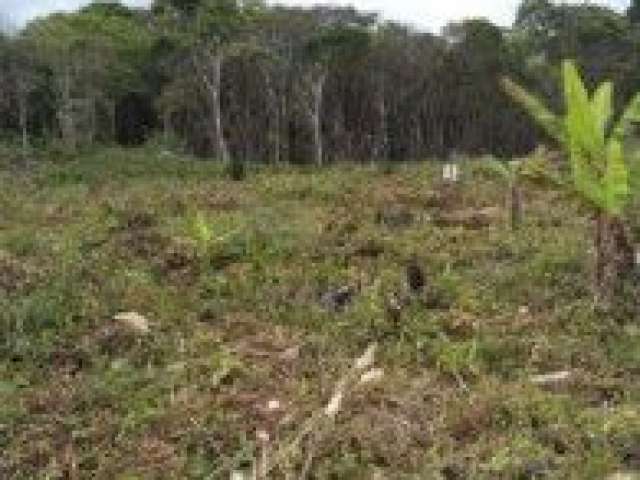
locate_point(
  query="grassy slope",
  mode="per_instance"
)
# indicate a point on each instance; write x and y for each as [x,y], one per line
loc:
[230,274]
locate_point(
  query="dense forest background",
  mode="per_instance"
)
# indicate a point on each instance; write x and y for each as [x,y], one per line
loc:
[243,80]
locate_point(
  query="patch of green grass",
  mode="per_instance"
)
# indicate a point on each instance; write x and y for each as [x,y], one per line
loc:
[233,278]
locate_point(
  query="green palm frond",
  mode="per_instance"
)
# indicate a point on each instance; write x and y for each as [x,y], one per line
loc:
[634,173]
[498,169]
[585,138]
[602,105]
[615,183]
[539,171]
[630,116]
[551,123]
[602,176]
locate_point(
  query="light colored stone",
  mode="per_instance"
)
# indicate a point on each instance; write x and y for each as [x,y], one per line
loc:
[551,378]
[134,322]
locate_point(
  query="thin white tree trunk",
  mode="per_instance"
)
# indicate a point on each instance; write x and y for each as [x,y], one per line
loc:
[285,147]
[383,139]
[112,122]
[317,90]
[166,126]
[23,121]
[274,124]
[94,119]
[65,112]
[215,87]
[276,139]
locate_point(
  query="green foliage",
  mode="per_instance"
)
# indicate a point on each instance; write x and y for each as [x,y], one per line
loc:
[536,108]
[338,44]
[218,21]
[231,277]
[129,60]
[601,174]
[200,230]
[506,171]
[117,44]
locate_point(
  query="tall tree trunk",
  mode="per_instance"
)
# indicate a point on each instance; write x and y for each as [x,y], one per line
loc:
[274,120]
[276,135]
[65,112]
[94,119]
[285,133]
[24,116]
[383,134]
[166,126]
[317,90]
[214,85]
[113,120]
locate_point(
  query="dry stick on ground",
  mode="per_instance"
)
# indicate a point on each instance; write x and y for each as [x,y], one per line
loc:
[361,373]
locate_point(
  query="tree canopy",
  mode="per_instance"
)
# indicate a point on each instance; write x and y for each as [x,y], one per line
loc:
[274,83]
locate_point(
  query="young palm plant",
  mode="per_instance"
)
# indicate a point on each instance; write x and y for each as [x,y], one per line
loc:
[601,175]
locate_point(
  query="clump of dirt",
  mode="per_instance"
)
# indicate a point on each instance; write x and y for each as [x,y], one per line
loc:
[395,193]
[446,197]
[137,236]
[145,244]
[341,223]
[55,398]
[463,326]
[15,275]
[473,417]
[179,260]
[471,218]
[270,346]
[338,299]
[395,217]
[138,220]
[222,200]
[369,248]
[156,456]
[70,361]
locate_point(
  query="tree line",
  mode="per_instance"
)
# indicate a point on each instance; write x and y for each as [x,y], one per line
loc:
[245,81]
